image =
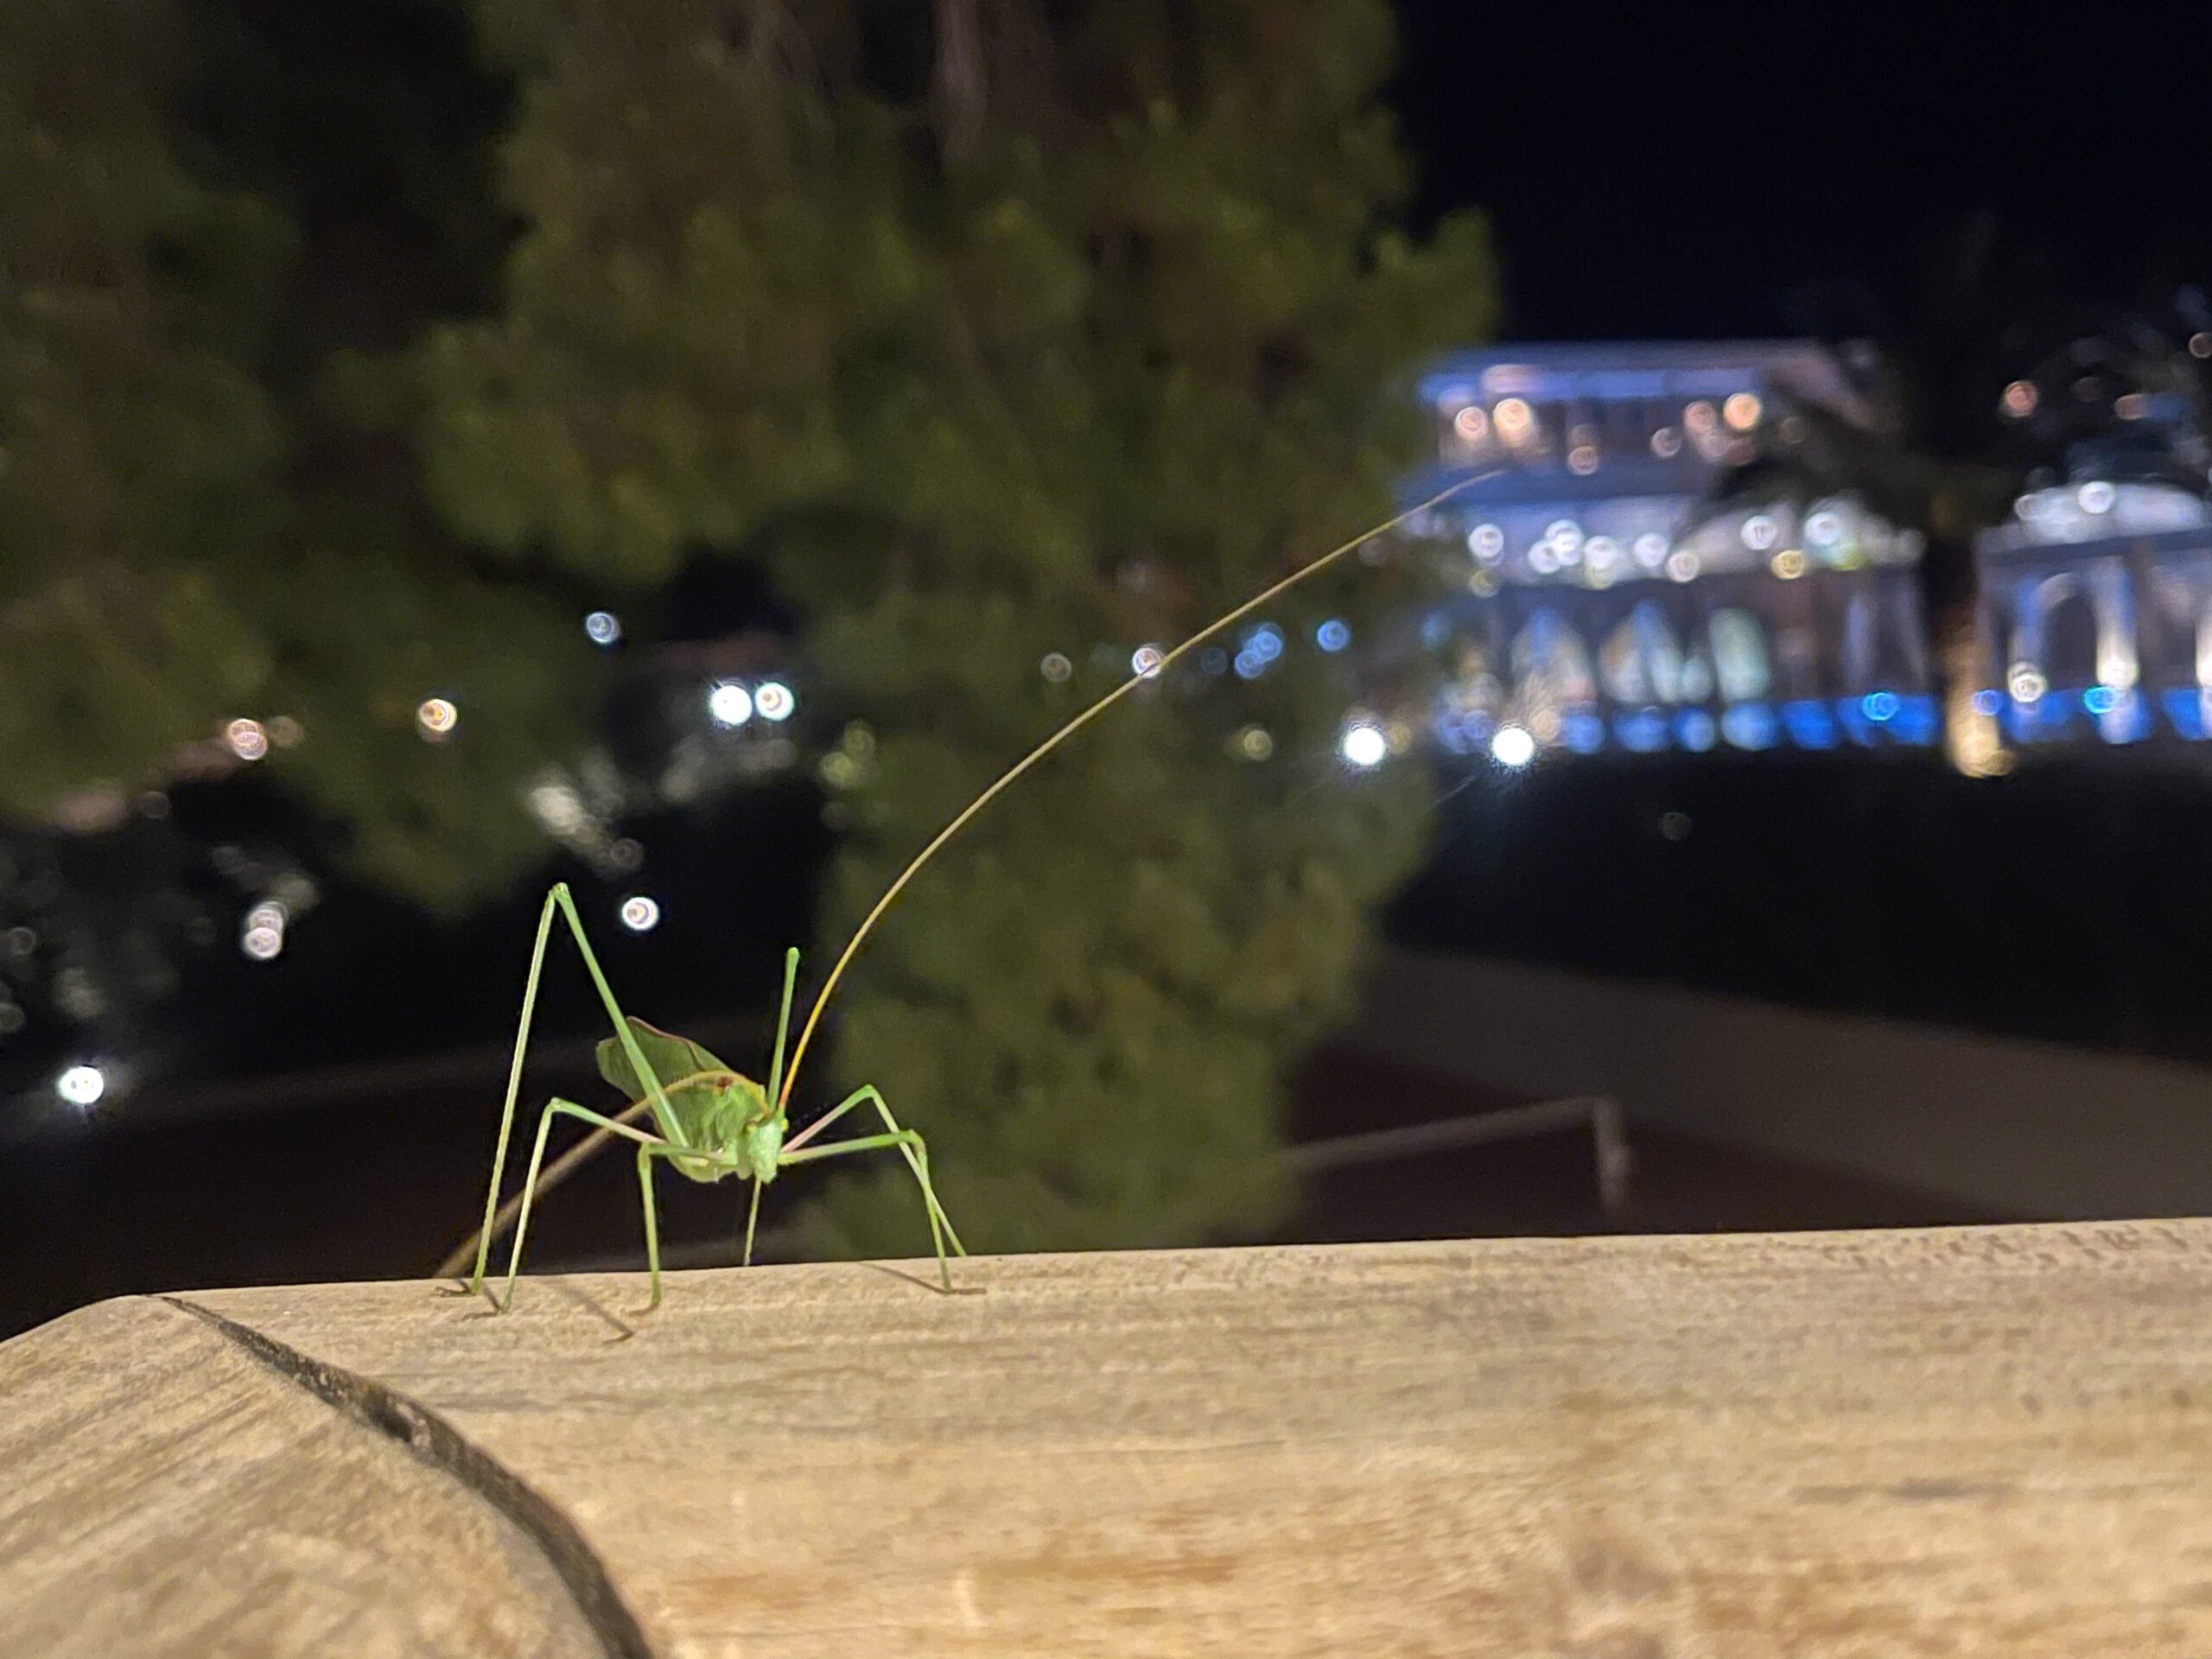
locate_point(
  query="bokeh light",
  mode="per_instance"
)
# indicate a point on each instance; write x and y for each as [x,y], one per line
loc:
[729,704]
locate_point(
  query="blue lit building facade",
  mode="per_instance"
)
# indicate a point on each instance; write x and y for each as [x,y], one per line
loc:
[1602,606]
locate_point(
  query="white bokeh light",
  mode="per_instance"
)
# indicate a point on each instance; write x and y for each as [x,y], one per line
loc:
[773,700]
[247,740]
[436,717]
[640,913]
[1363,745]
[81,1085]
[729,704]
[1512,747]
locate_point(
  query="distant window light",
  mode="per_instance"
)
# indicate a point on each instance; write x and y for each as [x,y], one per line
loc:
[2019,399]
[1486,541]
[1472,423]
[1741,411]
[1666,443]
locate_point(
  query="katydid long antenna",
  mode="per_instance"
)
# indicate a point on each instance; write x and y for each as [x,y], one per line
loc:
[780,1089]
[1311,567]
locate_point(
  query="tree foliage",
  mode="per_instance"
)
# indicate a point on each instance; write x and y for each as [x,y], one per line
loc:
[991,333]
[190,530]
[1014,330]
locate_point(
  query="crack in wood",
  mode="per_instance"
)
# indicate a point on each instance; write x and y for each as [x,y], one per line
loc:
[387,1412]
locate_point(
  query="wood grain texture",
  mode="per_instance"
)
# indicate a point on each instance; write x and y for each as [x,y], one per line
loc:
[1974,1440]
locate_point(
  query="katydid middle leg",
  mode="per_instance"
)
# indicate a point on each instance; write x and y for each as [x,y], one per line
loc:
[917,1159]
[557,901]
[558,1107]
[647,1153]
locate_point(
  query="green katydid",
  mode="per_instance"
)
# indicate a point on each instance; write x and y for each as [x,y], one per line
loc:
[714,1122]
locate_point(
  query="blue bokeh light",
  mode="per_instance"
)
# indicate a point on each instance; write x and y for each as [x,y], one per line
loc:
[1749,726]
[1694,730]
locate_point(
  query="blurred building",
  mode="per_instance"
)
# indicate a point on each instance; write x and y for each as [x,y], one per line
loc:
[1605,604]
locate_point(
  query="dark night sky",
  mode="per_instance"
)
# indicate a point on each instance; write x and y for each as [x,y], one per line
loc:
[1672,171]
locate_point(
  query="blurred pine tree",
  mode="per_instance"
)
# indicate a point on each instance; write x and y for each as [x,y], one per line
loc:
[993,333]
[191,530]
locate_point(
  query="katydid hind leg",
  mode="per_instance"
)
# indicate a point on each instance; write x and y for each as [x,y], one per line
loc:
[670,1129]
[557,901]
[514,1089]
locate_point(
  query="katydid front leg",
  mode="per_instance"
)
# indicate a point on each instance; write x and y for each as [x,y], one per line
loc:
[918,1154]
[868,1095]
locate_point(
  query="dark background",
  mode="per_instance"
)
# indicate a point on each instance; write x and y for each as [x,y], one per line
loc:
[1649,173]
[1677,171]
